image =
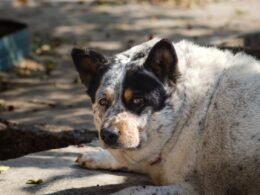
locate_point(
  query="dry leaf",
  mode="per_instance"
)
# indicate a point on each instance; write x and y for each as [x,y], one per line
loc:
[2,103]
[34,181]
[4,168]
[23,2]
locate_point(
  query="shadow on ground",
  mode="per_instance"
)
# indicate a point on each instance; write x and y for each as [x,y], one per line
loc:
[61,175]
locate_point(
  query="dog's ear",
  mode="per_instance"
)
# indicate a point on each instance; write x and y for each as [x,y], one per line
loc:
[88,63]
[162,61]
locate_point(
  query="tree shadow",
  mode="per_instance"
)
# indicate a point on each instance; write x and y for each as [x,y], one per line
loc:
[95,190]
[130,179]
[58,170]
[69,171]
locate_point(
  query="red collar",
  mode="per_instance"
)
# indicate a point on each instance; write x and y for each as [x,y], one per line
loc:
[156,161]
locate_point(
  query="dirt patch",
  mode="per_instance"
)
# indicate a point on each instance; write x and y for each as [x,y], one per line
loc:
[252,40]
[18,139]
[248,43]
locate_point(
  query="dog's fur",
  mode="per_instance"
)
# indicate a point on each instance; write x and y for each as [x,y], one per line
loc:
[188,116]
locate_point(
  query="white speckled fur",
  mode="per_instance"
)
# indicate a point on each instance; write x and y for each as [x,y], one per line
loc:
[208,134]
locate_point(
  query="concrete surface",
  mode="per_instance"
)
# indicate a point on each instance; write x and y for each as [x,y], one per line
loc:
[61,175]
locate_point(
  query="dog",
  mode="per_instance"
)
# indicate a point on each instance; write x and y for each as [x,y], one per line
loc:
[186,115]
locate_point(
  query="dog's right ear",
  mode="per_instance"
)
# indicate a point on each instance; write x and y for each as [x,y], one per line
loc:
[163,62]
[88,63]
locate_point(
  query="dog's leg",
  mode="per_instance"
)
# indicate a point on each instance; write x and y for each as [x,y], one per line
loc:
[183,189]
[97,158]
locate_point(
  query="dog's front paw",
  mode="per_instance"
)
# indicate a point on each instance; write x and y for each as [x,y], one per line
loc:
[91,158]
[97,158]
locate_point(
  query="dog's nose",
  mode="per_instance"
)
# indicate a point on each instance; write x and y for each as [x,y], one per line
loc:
[109,136]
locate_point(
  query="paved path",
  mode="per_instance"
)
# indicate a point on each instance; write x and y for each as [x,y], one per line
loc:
[61,175]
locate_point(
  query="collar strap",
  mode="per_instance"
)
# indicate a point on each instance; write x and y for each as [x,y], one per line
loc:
[156,161]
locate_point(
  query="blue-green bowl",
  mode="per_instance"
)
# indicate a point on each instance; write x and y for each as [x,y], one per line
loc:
[14,43]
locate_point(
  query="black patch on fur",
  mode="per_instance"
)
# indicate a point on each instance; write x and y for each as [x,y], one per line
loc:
[145,86]
[138,56]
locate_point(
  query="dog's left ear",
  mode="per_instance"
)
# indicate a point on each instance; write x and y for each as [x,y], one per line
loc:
[163,62]
[88,63]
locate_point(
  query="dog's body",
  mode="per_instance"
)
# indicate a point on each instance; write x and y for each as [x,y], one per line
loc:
[186,115]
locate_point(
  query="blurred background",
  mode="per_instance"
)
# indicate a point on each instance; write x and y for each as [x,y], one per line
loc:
[42,103]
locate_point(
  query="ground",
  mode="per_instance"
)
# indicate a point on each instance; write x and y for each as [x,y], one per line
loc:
[60,175]
[44,95]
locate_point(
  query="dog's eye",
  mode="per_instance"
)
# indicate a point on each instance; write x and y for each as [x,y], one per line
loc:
[103,102]
[138,101]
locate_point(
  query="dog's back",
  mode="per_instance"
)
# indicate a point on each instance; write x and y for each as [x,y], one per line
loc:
[226,128]
[233,125]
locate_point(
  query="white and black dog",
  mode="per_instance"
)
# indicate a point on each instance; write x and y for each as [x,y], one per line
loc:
[188,116]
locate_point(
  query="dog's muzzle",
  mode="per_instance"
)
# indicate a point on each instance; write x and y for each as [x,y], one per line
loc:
[109,136]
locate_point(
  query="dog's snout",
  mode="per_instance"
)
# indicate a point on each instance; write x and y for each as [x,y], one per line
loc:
[109,136]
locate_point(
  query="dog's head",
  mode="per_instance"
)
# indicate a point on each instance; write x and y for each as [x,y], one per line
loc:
[129,91]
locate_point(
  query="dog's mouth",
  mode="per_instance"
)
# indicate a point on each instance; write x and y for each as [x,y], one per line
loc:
[121,146]
[114,137]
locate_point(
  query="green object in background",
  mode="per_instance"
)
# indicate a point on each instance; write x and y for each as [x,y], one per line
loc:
[14,43]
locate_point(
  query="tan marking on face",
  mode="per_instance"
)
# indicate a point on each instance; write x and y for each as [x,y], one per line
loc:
[121,125]
[128,126]
[128,94]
